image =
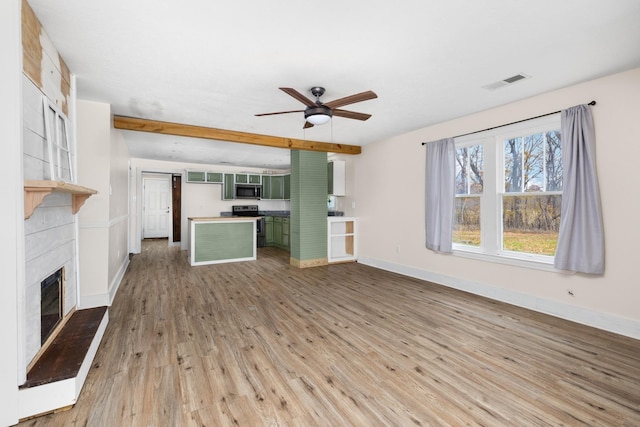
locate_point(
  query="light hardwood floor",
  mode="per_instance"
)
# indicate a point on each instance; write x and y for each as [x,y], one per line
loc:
[266,344]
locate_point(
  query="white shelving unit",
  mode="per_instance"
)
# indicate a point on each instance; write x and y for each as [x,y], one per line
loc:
[341,239]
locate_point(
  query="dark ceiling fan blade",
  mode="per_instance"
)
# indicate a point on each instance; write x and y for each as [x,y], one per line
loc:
[352,99]
[297,95]
[280,112]
[351,114]
[307,125]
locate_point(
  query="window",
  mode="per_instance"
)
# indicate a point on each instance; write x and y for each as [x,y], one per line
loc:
[509,191]
[57,135]
[469,184]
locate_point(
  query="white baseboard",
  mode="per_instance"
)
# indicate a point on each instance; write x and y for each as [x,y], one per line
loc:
[60,394]
[117,280]
[596,319]
[105,299]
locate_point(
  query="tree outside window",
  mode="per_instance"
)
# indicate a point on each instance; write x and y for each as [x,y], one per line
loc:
[509,191]
[532,198]
[469,184]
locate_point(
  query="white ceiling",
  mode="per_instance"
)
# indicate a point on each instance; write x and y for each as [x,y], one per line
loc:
[217,63]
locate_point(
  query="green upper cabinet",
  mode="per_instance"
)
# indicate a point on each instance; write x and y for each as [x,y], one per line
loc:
[215,177]
[266,187]
[205,177]
[196,176]
[287,187]
[246,178]
[228,192]
[277,186]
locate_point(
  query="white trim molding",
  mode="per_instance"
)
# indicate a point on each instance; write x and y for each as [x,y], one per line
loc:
[105,299]
[596,319]
[104,224]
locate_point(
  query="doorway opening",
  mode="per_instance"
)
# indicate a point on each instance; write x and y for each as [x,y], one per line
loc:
[157,206]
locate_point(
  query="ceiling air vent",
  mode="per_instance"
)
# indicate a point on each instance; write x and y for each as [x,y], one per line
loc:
[506,82]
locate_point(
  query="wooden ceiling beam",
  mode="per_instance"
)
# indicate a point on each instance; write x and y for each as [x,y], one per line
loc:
[178,129]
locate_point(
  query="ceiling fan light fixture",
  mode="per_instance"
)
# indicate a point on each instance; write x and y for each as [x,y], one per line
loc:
[318,115]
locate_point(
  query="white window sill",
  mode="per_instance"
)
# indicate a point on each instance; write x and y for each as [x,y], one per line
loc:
[508,258]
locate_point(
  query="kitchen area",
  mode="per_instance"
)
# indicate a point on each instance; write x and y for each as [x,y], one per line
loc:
[260,216]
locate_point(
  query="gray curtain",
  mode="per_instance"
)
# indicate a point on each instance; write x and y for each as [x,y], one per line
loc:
[581,237]
[440,194]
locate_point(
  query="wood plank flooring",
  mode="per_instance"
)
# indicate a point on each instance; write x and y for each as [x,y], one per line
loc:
[265,344]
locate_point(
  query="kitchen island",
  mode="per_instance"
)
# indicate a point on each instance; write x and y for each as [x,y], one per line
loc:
[214,240]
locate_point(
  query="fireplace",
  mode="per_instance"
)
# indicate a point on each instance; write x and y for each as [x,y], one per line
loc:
[51,303]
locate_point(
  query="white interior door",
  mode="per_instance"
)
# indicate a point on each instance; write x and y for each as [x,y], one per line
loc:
[156,207]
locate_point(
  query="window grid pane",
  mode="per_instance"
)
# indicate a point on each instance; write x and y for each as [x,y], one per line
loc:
[466,228]
[553,161]
[530,223]
[469,170]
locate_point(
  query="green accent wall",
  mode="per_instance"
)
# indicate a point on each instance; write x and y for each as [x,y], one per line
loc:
[308,227]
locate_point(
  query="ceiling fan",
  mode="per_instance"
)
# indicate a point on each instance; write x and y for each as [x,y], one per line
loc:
[318,113]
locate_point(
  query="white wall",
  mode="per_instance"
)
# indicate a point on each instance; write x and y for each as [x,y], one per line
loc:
[118,208]
[93,172]
[12,216]
[103,166]
[389,184]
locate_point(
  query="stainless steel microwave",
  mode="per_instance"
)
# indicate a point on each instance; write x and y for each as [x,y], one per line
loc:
[248,191]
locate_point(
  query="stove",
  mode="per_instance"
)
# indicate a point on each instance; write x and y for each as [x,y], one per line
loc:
[252,210]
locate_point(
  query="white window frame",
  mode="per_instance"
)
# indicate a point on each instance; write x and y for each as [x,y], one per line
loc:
[493,189]
[58,140]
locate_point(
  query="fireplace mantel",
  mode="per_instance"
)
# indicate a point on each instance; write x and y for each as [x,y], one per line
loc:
[35,191]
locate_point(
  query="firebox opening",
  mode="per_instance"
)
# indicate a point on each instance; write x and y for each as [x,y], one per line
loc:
[51,303]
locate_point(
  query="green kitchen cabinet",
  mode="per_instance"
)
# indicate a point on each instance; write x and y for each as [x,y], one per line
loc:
[205,177]
[285,233]
[196,176]
[215,241]
[268,231]
[247,178]
[280,233]
[266,187]
[277,231]
[277,187]
[228,192]
[215,177]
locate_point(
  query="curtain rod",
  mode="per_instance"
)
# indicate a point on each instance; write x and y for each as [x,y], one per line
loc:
[512,123]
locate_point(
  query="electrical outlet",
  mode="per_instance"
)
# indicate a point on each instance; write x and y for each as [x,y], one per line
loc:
[397,248]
